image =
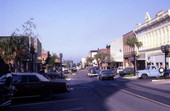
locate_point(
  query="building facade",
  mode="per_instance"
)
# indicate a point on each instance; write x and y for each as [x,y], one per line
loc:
[153,34]
[116,52]
[128,59]
[27,61]
[37,55]
[106,63]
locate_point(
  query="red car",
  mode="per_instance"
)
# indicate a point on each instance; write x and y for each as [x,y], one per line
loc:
[35,84]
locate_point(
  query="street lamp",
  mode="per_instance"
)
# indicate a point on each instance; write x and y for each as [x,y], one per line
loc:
[165,49]
[32,51]
[134,57]
[61,56]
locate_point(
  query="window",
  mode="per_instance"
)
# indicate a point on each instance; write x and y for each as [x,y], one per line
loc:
[33,79]
[153,67]
[24,79]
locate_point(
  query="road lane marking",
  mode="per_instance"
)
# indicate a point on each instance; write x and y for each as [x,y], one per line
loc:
[157,102]
[80,108]
[29,104]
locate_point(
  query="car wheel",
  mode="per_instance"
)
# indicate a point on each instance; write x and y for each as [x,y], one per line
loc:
[144,76]
[47,94]
[100,78]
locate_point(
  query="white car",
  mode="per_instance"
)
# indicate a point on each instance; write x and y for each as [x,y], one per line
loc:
[94,71]
[150,71]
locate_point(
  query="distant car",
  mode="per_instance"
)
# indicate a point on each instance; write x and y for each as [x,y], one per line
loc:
[94,71]
[119,69]
[34,85]
[107,74]
[66,71]
[126,71]
[53,74]
[73,70]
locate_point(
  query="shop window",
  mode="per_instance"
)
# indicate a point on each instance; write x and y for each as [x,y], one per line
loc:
[157,64]
[161,64]
[167,65]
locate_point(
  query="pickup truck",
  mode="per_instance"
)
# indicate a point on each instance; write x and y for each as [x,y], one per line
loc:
[151,71]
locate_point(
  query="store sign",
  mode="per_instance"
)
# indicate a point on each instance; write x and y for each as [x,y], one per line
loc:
[39,59]
[57,60]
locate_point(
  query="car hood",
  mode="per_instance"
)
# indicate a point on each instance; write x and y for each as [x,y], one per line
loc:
[59,80]
[138,71]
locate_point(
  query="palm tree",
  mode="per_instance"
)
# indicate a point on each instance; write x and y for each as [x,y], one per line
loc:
[134,42]
[101,57]
[89,60]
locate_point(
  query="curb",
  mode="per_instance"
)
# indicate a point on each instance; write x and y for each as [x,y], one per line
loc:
[161,81]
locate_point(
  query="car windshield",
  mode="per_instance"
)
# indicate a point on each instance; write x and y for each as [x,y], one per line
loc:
[107,72]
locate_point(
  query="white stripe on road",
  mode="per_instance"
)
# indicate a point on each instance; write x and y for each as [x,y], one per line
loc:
[74,109]
[42,103]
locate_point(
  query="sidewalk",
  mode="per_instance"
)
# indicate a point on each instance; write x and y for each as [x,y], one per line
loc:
[162,84]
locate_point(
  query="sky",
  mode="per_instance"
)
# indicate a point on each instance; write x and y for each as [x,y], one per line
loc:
[74,27]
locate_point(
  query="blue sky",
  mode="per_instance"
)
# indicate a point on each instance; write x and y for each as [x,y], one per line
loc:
[74,27]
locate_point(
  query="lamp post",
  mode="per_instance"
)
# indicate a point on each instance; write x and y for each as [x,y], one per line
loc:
[32,51]
[165,49]
[134,57]
[61,56]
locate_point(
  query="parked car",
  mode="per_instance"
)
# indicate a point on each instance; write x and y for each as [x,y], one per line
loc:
[53,74]
[167,73]
[120,68]
[66,71]
[4,99]
[151,71]
[94,71]
[126,71]
[35,84]
[107,74]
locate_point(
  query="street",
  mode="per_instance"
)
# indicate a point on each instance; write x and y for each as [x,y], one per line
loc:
[92,94]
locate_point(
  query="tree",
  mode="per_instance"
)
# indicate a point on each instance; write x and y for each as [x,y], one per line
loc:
[21,44]
[15,48]
[133,42]
[28,29]
[101,57]
[12,49]
[6,51]
[51,61]
[89,60]
[68,63]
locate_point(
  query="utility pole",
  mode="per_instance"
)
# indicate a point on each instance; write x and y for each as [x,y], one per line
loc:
[61,56]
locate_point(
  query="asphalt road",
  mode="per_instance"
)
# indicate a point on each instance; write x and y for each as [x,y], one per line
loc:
[91,94]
